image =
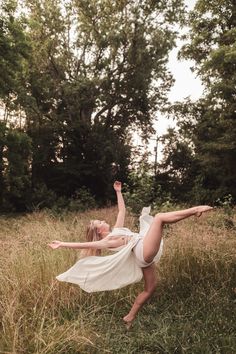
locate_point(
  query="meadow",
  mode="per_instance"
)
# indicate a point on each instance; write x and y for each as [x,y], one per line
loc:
[192,310]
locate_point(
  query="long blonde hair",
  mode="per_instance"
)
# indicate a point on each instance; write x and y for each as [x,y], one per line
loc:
[92,234]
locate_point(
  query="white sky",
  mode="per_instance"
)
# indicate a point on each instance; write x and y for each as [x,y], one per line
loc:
[186,85]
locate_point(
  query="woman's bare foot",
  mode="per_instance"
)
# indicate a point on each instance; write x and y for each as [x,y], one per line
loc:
[201,209]
[128,320]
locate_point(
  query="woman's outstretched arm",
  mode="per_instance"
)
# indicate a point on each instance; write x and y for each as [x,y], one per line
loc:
[121,205]
[102,244]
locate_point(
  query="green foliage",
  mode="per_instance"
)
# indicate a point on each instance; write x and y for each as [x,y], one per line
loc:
[140,192]
[14,48]
[226,202]
[44,198]
[143,189]
[95,71]
[212,46]
[41,197]
[178,167]
[82,201]
[3,132]
[208,126]
[15,156]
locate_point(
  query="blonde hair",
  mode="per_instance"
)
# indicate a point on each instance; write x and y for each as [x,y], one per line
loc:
[92,234]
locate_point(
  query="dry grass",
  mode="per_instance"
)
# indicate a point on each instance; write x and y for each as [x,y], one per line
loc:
[192,312]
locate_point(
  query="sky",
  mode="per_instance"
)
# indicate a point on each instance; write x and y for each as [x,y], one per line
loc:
[186,85]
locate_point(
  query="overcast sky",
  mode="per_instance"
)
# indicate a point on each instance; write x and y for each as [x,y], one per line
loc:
[186,82]
[186,85]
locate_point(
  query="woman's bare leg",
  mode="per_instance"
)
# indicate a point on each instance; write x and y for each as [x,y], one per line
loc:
[149,287]
[152,239]
[151,244]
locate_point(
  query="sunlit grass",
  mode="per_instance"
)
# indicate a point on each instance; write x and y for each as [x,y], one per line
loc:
[192,311]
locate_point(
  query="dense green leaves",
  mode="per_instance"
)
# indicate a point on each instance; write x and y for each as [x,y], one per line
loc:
[13,48]
[210,123]
[15,158]
[17,176]
[86,74]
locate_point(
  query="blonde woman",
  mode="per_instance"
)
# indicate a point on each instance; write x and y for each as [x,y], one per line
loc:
[135,253]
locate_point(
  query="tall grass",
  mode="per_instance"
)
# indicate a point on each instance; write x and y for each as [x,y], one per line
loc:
[192,311]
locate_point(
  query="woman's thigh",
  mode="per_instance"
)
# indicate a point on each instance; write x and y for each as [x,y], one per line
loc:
[152,240]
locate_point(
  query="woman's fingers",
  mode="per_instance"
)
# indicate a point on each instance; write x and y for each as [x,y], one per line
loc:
[52,245]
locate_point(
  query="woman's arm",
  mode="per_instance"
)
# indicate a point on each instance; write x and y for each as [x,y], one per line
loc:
[102,244]
[121,205]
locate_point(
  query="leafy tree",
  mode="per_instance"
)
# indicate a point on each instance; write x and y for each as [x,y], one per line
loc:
[3,132]
[97,71]
[178,168]
[210,122]
[13,48]
[15,157]
[17,174]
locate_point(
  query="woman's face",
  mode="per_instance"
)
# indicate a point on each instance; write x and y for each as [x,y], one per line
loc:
[101,226]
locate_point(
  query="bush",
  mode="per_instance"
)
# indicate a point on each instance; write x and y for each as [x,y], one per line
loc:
[44,198]
[145,191]
[141,193]
[82,200]
[226,203]
[41,198]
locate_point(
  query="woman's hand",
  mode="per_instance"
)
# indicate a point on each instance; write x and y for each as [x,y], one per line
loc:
[55,244]
[117,186]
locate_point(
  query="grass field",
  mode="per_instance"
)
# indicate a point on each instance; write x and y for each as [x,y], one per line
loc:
[192,311]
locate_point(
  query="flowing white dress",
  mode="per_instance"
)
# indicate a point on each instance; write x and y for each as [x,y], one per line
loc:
[124,267]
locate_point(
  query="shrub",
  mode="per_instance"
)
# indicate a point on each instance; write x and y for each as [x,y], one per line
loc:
[82,200]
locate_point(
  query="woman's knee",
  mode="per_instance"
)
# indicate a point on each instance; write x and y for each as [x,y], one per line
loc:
[148,260]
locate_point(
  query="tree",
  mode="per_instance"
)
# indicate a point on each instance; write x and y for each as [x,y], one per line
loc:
[210,123]
[179,166]
[13,48]
[15,158]
[3,132]
[17,174]
[96,72]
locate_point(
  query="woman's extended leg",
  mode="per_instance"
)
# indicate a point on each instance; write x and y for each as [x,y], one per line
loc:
[152,239]
[150,283]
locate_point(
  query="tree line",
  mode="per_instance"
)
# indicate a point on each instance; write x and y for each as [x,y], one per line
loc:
[200,154]
[79,77]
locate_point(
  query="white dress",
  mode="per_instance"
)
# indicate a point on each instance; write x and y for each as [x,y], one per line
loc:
[100,273]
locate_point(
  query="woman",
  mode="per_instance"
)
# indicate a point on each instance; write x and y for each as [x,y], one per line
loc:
[136,253]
